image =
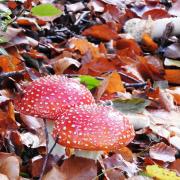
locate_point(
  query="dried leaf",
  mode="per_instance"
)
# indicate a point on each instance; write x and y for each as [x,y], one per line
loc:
[148,43]
[156,14]
[162,152]
[172,75]
[97,67]
[54,174]
[175,9]
[84,47]
[130,105]
[173,51]
[171,62]
[62,64]
[175,166]
[115,83]
[76,168]
[117,161]
[103,32]
[10,166]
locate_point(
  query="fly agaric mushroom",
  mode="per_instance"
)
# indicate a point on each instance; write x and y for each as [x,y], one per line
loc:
[93,128]
[137,27]
[48,96]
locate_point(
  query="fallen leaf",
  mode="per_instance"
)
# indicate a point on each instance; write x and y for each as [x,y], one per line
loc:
[172,75]
[103,32]
[97,67]
[89,81]
[116,161]
[175,166]
[175,91]
[129,44]
[171,62]
[148,43]
[62,64]
[161,173]
[77,168]
[173,51]
[10,63]
[130,105]
[54,174]
[84,47]
[156,14]
[10,166]
[163,152]
[115,83]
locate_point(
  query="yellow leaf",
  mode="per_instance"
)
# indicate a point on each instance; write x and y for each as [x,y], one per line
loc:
[161,174]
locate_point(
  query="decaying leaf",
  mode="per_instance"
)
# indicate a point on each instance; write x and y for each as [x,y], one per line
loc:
[162,152]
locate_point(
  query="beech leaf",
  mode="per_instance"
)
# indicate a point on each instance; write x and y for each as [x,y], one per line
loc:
[89,81]
[43,10]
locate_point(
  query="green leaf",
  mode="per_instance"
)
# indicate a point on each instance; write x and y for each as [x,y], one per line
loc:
[160,173]
[131,105]
[43,10]
[89,81]
[2,40]
[171,62]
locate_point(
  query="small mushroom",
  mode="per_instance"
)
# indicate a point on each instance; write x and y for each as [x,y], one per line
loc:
[155,28]
[93,128]
[48,96]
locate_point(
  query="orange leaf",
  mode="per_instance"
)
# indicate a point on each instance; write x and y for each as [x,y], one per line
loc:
[84,47]
[10,63]
[115,83]
[172,75]
[97,67]
[103,32]
[129,44]
[156,14]
[148,43]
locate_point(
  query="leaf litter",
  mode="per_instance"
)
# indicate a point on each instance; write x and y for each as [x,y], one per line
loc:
[85,40]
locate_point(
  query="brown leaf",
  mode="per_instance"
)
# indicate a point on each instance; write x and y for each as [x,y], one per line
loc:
[156,14]
[175,166]
[62,64]
[97,67]
[172,76]
[10,166]
[54,174]
[126,153]
[117,161]
[103,32]
[129,44]
[77,168]
[84,47]
[162,152]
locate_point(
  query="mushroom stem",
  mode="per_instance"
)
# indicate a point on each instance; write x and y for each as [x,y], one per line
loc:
[137,27]
[88,154]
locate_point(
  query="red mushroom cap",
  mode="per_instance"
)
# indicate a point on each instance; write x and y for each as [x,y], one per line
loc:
[48,96]
[94,128]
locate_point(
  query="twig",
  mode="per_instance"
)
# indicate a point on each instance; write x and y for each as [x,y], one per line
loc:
[52,148]
[47,154]
[135,85]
